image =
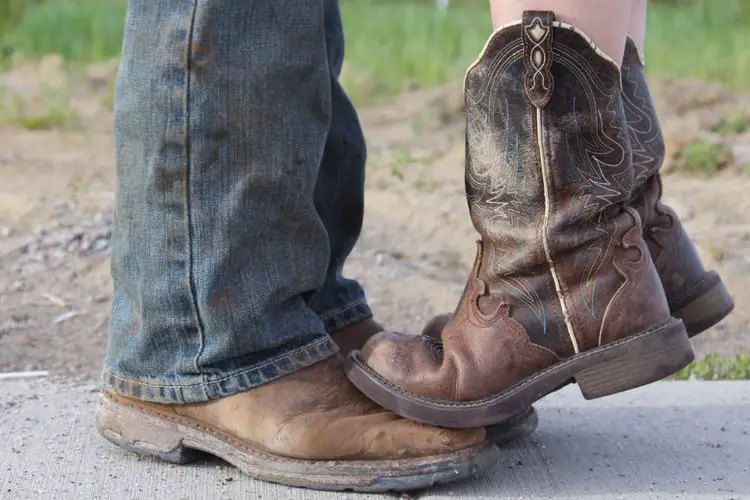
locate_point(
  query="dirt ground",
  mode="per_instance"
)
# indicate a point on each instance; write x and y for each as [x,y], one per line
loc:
[416,250]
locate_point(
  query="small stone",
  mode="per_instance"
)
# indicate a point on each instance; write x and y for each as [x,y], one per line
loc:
[74,242]
[99,245]
[5,232]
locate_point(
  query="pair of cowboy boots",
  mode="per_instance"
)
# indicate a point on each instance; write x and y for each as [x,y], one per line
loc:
[582,274]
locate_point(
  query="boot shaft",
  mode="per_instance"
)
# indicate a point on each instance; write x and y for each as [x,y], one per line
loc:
[549,173]
[547,143]
[646,138]
[648,150]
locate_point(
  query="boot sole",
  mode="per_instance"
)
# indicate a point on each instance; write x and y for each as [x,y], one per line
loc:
[181,440]
[616,367]
[707,305]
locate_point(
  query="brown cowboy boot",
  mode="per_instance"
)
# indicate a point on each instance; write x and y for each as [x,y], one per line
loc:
[695,295]
[563,286]
[311,428]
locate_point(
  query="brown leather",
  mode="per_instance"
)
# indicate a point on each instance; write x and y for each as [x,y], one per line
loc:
[562,266]
[434,328]
[674,254]
[317,414]
[680,268]
[537,45]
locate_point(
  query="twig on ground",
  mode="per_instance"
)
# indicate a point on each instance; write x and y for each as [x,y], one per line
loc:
[65,317]
[54,299]
[29,374]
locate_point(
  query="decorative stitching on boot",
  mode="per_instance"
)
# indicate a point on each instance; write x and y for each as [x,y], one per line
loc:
[537,48]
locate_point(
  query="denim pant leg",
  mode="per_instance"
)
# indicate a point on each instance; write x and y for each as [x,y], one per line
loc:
[339,192]
[222,112]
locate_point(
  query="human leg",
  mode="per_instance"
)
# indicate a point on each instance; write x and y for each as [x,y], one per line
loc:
[607,26]
[340,302]
[222,115]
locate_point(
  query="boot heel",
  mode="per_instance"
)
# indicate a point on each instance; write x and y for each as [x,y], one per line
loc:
[639,361]
[141,433]
[707,309]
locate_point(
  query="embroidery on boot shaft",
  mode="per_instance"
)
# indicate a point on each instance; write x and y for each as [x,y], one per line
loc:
[646,138]
[537,41]
[541,87]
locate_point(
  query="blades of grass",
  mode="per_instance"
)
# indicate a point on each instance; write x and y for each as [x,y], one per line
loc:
[702,39]
[79,30]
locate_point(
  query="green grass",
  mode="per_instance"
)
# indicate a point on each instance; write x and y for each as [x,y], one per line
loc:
[707,39]
[394,45]
[703,158]
[734,123]
[52,118]
[714,368]
[53,112]
[79,30]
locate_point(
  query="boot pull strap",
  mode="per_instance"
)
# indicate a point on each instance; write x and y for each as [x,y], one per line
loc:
[537,55]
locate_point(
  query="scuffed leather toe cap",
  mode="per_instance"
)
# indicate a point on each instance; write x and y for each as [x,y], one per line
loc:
[410,362]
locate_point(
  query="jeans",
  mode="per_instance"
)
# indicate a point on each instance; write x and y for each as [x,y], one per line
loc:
[240,194]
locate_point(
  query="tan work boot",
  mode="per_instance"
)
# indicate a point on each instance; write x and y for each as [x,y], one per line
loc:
[695,295]
[563,287]
[311,428]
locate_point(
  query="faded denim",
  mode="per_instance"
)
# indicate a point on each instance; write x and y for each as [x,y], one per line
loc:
[240,185]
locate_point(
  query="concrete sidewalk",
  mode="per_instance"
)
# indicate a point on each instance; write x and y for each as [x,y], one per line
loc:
[669,440]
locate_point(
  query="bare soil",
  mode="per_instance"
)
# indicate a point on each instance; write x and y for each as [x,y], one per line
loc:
[416,250]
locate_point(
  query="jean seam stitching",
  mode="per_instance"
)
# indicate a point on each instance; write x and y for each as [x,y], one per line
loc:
[188,208]
[275,360]
[344,309]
